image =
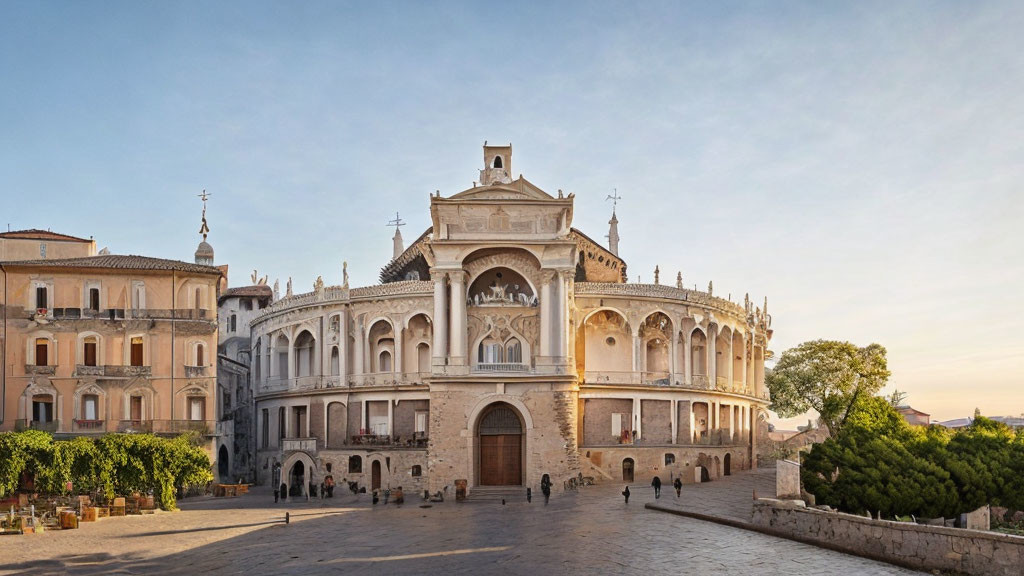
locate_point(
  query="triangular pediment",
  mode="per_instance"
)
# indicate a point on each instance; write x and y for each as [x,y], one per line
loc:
[520,189]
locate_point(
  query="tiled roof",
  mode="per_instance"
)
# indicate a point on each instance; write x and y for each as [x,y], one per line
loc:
[259,291]
[36,234]
[118,262]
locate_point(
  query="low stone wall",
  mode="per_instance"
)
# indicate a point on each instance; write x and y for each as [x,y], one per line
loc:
[911,545]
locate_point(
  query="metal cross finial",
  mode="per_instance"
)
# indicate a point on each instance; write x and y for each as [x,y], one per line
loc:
[396,222]
[614,197]
[204,229]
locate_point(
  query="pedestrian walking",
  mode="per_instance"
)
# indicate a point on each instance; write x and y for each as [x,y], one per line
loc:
[625,493]
[657,486]
[529,495]
[545,488]
[679,486]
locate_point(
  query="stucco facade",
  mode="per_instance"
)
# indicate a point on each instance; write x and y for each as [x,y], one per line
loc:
[108,343]
[523,352]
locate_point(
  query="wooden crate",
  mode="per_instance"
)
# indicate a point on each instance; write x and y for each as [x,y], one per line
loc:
[102,512]
[89,514]
[68,520]
[118,509]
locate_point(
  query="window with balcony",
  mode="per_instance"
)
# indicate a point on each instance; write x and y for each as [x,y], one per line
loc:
[137,351]
[421,422]
[41,297]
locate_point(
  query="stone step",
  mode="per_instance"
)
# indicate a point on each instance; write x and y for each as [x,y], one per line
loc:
[497,493]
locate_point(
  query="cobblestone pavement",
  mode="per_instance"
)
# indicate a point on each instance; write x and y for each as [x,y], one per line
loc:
[728,496]
[592,532]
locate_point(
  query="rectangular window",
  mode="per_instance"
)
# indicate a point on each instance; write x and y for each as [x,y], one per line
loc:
[280,423]
[265,439]
[136,408]
[226,402]
[42,348]
[197,409]
[136,352]
[616,424]
[300,422]
[421,422]
[41,301]
[90,405]
[42,408]
[90,353]
[94,299]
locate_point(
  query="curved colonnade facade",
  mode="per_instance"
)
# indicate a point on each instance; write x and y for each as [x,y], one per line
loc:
[501,346]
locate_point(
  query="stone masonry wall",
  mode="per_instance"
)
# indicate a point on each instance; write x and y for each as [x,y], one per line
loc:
[655,422]
[914,546]
[650,461]
[597,419]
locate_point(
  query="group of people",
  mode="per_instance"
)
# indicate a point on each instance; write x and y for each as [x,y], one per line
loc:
[656,483]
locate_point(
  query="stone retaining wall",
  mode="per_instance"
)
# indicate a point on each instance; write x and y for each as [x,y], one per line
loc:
[912,545]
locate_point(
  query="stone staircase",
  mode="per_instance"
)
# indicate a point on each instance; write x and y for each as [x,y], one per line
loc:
[495,494]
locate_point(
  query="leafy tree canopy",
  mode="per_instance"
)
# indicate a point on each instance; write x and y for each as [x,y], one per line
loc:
[827,376]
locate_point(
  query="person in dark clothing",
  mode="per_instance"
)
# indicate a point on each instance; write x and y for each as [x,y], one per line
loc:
[545,488]
[679,486]
[657,486]
[626,494]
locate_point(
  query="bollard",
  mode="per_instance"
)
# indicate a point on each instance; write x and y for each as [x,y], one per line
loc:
[287,517]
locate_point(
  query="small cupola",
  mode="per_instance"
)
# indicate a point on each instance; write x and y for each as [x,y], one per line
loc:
[497,165]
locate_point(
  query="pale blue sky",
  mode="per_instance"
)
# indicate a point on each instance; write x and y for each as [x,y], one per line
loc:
[861,164]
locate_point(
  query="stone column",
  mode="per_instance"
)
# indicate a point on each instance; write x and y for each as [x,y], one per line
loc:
[398,367]
[458,324]
[638,419]
[687,359]
[712,360]
[744,364]
[561,337]
[732,422]
[391,417]
[358,356]
[291,359]
[343,366]
[693,426]
[545,315]
[673,352]
[732,355]
[675,420]
[439,351]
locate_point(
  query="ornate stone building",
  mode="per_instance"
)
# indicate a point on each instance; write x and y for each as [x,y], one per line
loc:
[501,346]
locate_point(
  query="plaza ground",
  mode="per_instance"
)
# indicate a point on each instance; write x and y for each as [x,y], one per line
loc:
[589,532]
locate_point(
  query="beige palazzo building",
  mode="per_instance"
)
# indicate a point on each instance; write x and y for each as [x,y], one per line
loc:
[501,346]
[103,343]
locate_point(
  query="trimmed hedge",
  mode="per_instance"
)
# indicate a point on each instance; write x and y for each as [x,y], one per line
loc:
[112,464]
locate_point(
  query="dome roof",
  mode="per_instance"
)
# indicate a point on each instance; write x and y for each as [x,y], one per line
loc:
[204,251]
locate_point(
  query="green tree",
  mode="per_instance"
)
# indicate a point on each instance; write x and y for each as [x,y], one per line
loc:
[828,376]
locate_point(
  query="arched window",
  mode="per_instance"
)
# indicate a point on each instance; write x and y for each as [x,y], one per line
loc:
[199,299]
[335,361]
[497,162]
[514,351]
[385,361]
[490,352]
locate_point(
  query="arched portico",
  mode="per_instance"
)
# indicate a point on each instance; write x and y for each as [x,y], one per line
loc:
[308,469]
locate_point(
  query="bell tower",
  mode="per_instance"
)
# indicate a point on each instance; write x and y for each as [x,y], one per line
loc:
[497,165]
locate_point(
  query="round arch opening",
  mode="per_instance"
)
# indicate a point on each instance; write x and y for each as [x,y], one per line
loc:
[501,446]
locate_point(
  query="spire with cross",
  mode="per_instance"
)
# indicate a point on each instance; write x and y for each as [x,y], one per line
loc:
[204,229]
[613,224]
[399,245]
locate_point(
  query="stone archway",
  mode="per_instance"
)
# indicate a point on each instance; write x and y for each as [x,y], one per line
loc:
[308,472]
[223,468]
[628,467]
[727,463]
[500,436]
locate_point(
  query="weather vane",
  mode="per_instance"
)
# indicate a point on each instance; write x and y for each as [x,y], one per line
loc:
[614,197]
[204,229]
[396,222]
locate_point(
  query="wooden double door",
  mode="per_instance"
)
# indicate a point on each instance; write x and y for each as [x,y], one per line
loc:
[501,460]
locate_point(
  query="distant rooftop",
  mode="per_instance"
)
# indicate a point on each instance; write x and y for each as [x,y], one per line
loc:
[258,291]
[36,234]
[119,262]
